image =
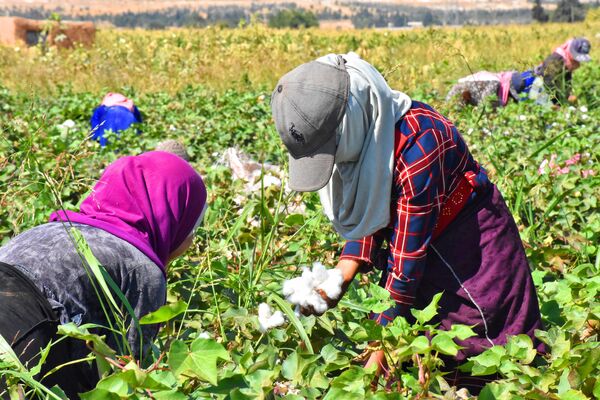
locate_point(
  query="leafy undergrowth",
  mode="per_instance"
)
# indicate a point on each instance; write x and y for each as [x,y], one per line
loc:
[544,160]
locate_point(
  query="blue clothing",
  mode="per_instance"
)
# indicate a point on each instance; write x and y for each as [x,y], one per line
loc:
[114,118]
[528,77]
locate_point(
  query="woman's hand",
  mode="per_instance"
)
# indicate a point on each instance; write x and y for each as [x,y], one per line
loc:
[349,270]
[377,358]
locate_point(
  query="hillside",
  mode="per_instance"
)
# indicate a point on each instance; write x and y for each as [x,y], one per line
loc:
[103,7]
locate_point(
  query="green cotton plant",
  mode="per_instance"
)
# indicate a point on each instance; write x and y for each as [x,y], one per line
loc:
[15,374]
[251,242]
[413,350]
[567,372]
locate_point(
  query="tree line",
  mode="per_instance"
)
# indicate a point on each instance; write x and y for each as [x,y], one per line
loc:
[566,11]
[288,15]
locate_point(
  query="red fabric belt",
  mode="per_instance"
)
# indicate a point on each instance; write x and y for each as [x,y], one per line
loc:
[457,200]
[453,205]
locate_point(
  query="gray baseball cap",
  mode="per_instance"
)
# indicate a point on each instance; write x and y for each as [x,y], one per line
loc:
[308,105]
[580,49]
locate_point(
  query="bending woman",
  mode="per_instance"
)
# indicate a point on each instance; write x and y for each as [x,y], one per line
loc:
[116,113]
[477,88]
[141,214]
[557,69]
[391,169]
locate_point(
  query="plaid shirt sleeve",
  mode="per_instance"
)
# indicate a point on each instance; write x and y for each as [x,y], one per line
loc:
[419,180]
[366,249]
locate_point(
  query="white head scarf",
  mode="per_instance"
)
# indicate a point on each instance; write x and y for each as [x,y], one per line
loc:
[357,197]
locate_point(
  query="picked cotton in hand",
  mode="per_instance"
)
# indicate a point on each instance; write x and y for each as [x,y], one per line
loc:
[302,291]
[332,286]
[269,319]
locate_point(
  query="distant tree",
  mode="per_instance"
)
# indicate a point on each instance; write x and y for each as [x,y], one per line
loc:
[569,11]
[399,19]
[293,19]
[538,13]
[429,19]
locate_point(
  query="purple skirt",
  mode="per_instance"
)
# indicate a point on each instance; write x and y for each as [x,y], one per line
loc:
[482,249]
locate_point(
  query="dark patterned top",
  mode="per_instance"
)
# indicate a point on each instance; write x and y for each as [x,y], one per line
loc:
[557,77]
[431,158]
[474,92]
[47,256]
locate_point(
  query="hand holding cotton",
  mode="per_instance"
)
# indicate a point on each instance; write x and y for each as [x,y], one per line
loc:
[305,290]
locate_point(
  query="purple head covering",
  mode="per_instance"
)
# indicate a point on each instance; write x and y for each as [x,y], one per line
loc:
[152,201]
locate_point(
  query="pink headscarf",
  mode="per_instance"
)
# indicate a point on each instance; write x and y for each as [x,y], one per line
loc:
[503,78]
[564,51]
[153,201]
[504,89]
[117,99]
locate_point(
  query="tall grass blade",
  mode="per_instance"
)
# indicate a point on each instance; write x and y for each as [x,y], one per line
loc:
[94,265]
[287,310]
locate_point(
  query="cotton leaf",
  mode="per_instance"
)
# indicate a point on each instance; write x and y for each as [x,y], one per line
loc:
[425,315]
[164,313]
[199,360]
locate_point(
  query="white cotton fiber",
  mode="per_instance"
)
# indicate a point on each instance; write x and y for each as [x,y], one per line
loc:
[302,291]
[319,273]
[332,286]
[297,290]
[268,319]
[277,319]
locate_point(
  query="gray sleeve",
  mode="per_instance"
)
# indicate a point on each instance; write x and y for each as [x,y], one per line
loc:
[145,289]
[46,255]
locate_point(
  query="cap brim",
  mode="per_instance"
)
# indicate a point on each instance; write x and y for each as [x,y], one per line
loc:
[582,58]
[308,174]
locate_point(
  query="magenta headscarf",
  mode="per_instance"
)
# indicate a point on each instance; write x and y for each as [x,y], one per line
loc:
[153,201]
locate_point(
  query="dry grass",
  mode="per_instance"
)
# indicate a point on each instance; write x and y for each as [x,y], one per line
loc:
[150,61]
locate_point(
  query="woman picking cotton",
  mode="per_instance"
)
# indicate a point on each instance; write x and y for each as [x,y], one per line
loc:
[557,69]
[481,86]
[141,214]
[391,169]
[116,113]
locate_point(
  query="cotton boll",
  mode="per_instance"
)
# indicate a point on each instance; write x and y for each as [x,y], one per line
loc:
[264,311]
[277,319]
[267,319]
[204,335]
[333,284]
[319,273]
[302,291]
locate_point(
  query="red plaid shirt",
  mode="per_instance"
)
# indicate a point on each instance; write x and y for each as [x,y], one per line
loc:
[431,159]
